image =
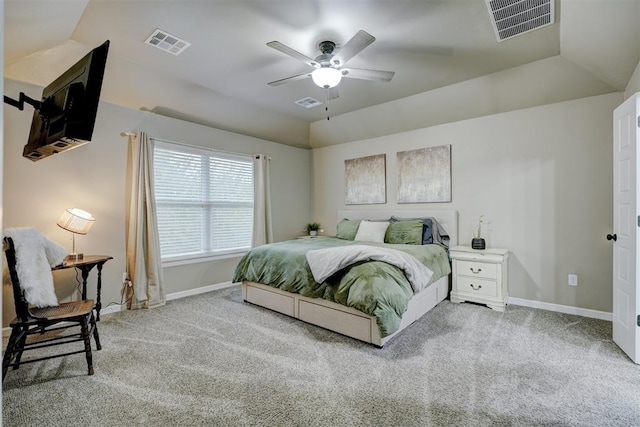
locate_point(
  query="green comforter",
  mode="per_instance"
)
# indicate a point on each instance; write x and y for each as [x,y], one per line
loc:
[373,287]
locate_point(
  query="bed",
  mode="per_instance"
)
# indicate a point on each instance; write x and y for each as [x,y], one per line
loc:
[331,304]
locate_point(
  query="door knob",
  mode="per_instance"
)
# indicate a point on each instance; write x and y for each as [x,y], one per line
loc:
[613,237]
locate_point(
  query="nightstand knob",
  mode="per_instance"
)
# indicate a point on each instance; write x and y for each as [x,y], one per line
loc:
[475,271]
[474,287]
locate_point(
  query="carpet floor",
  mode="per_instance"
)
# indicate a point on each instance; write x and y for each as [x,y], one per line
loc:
[214,360]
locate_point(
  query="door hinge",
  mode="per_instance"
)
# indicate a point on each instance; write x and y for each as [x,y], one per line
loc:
[638,320]
[639,121]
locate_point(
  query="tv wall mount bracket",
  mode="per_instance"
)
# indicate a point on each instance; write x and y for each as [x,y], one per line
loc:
[45,108]
[19,104]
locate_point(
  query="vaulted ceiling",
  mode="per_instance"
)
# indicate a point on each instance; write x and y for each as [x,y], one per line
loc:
[221,79]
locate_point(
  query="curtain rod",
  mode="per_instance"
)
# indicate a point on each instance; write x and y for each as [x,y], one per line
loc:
[127,134]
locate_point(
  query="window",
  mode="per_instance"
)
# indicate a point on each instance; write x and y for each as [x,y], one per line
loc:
[204,201]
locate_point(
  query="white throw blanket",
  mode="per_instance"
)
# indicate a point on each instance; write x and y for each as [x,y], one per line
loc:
[325,262]
[35,255]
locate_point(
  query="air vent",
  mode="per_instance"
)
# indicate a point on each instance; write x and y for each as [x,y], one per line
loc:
[511,18]
[167,42]
[308,102]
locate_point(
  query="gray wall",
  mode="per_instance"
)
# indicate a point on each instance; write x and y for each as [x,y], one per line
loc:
[633,85]
[543,178]
[543,82]
[93,177]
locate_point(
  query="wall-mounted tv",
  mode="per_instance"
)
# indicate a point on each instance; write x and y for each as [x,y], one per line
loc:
[65,117]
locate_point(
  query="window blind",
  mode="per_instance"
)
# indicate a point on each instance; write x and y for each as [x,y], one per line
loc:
[204,201]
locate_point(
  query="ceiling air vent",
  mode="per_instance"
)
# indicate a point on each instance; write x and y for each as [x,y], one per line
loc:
[167,42]
[511,18]
[308,102]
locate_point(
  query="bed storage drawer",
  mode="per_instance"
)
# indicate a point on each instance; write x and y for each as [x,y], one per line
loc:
[348,324]
[275,301]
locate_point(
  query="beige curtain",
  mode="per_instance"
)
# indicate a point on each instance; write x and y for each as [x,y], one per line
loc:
[262,229]
[144,264]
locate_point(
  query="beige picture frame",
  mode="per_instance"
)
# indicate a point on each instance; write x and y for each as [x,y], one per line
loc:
[424,175]
[365,180]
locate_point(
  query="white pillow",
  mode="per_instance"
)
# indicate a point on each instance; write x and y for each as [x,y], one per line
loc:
[370,231]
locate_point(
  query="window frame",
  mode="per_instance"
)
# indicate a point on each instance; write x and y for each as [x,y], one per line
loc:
[206,153]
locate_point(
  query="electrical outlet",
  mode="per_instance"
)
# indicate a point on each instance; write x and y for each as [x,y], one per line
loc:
[572,280]
[124,277]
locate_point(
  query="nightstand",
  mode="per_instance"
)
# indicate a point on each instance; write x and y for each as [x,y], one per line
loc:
[479,276]
[85,265]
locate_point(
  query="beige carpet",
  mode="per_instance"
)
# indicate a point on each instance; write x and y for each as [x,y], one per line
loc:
[214,360]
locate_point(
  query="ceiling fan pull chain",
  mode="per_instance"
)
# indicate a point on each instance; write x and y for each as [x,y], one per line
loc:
[326,106]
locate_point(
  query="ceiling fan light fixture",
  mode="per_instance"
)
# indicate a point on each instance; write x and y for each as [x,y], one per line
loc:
[326,77]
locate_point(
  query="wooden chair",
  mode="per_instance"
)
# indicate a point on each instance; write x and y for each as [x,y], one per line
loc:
[30,321]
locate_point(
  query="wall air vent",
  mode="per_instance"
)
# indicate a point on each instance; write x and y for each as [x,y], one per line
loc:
[511,18]
[308,102]
[167,42]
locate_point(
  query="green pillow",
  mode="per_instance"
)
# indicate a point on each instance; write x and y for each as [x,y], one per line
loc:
[404,232]
[347,229]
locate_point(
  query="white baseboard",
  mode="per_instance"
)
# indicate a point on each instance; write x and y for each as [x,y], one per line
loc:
[174,295]
[567,309]
[602,315]
[201,290]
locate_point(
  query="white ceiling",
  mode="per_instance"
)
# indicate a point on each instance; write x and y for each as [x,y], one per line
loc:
[428,43]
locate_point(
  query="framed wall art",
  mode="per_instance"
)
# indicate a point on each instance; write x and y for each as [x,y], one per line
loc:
[424,175]
[365,180]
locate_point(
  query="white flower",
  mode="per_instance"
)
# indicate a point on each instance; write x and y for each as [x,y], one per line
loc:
[478,232]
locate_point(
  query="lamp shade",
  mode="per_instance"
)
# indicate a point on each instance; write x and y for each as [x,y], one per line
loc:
[326,77]
[76,221]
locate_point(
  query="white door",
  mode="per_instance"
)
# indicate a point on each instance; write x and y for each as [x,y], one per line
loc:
[626,223]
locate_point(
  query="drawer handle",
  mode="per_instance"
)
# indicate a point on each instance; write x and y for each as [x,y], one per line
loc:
[475,271]
[474,287]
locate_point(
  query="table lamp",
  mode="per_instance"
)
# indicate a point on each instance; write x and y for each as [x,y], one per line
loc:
[76,221]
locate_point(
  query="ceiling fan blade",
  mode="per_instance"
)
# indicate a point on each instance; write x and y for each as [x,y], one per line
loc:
[354,46]
[293,53]
[289,79]
[375,75]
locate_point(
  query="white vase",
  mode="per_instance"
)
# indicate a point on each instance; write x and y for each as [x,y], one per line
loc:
[313,233]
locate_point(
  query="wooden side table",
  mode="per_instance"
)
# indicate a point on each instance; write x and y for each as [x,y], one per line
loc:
[479,276]
[85,265]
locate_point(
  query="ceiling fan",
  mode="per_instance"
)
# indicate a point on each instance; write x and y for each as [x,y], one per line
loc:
[330,66]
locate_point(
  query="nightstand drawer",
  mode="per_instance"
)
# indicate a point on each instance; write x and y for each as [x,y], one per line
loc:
[477,269]
[476,286]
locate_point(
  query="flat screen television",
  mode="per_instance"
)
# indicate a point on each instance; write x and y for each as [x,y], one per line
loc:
[67,112]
